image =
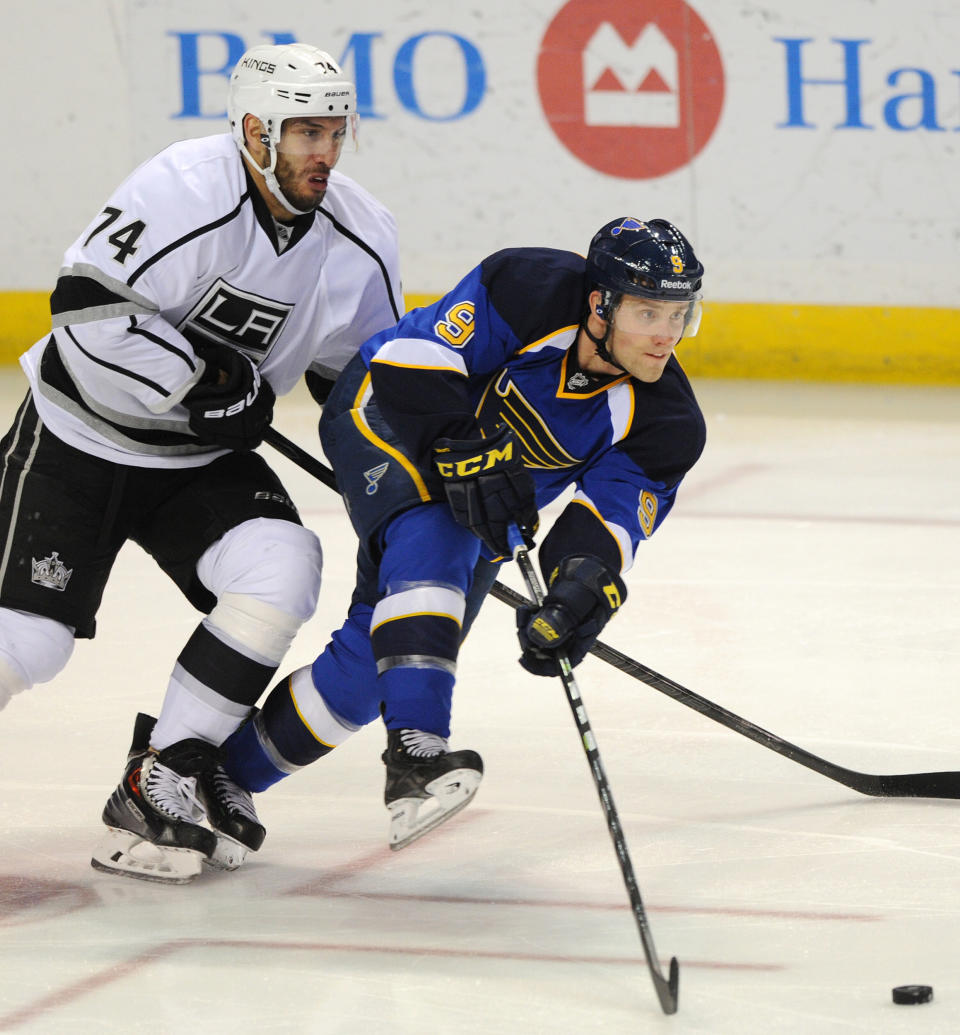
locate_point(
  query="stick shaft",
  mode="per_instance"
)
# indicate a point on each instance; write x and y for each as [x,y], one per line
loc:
[301,458]
[666,989]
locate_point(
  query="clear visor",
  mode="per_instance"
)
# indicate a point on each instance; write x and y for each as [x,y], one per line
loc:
[323,136]
[637,315]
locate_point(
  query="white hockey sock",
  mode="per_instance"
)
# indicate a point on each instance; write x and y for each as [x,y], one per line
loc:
[185,714]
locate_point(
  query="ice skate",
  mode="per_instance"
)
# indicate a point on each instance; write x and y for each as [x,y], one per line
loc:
[231,813]
[426,783]
[153,817]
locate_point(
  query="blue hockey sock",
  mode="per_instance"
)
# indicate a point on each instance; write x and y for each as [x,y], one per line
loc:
[417,699]
[294,728]
[247,762]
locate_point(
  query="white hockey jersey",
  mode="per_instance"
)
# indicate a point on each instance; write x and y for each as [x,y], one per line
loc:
[186,252]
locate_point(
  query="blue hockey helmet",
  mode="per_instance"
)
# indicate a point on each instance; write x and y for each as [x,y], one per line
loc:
[646,258]
[650,258]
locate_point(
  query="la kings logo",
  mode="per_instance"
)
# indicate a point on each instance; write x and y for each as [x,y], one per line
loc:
[230,316]
[51,572]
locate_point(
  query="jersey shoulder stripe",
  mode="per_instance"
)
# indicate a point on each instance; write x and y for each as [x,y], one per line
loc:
[81,297]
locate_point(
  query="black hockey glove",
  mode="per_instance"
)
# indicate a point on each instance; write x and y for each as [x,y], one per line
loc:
[231,405]
[488,488]
[583,596]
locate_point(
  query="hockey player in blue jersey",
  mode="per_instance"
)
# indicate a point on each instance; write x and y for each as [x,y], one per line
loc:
[538,371]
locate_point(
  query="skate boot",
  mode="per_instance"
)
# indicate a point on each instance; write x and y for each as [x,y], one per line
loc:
[153,817]
[231,813]
[426,783]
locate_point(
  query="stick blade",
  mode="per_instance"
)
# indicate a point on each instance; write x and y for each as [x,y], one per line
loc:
[919,785]
[668,990]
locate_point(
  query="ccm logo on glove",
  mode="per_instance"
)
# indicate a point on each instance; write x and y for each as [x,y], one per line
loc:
[468,467]
[488,488]
[544,630]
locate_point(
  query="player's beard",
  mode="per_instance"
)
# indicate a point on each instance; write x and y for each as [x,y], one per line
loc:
[287,174]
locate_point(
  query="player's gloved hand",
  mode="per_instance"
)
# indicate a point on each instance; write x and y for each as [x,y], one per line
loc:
[487,487]
[231,405]
[584,595]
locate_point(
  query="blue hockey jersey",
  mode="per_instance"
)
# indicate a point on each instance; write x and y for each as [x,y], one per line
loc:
[501,347]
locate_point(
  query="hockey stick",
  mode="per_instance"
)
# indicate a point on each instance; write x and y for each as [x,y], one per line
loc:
[897,785]
[666,989]
[303,459]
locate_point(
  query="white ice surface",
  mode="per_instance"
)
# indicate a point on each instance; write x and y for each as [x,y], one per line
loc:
[807,580]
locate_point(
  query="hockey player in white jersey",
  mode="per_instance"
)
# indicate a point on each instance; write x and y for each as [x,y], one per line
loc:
[216,276]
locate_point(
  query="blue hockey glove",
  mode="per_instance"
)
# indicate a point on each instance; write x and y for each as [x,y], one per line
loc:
[231,405]
[488,488]
[584,595]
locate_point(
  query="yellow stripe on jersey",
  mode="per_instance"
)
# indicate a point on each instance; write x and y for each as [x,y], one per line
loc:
[368,433]
[631,409]
[562,392]
[312,712]
[583,501]
[429,600]
[414,614]
[419,354]
[543,341]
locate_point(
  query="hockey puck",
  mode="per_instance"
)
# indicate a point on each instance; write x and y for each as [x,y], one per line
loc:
[909,994]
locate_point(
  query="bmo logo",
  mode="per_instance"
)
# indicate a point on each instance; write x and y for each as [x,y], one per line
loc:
[633,89]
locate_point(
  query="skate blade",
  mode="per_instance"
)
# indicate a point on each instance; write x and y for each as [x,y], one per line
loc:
[125,854]
[411,818]
[228,855]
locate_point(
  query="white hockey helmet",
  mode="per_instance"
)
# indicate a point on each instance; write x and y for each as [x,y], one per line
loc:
[276,82]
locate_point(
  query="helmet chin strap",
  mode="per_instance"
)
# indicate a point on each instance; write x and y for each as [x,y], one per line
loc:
[601,343]
[269,177]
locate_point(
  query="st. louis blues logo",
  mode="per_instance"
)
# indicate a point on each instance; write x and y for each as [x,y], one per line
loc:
[628,224]
[374,475]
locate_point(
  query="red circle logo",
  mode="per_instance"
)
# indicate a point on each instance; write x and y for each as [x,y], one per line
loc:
[632,89]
